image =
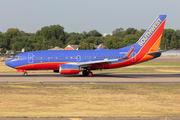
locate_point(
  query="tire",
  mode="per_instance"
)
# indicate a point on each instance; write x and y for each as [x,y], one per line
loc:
[85,73]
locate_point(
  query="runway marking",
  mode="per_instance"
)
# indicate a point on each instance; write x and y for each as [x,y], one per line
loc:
[27,82]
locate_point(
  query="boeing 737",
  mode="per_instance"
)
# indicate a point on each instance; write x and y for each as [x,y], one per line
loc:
[75,61]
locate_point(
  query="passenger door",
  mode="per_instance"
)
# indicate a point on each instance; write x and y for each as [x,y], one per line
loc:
[30,58]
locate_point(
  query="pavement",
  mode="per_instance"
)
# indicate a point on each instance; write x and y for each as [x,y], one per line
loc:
[103,78]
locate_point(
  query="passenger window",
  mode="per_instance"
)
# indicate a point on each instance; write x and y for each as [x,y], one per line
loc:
[66,57]
[48,57]
[35,57]
[84,57]
[56,57]
[51,57]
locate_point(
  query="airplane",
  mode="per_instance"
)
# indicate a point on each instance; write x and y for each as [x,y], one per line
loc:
[75,61]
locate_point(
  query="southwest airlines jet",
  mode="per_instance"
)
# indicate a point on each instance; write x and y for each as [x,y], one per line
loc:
[75,61]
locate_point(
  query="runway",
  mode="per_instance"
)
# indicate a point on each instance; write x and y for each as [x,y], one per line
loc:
[100,78]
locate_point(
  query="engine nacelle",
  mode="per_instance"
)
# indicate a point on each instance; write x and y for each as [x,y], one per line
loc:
[56,71]
[68,69]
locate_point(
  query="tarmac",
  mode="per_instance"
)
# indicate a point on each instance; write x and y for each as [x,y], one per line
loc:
[103,78]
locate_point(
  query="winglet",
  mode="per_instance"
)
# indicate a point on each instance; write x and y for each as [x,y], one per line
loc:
[100,46]
[128,55]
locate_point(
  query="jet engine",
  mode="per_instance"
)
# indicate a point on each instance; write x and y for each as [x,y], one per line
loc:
[68,69]
[56,71]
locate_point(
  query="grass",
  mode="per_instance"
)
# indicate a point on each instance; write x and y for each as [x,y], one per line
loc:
[94,100]
[90,100]
[146,67]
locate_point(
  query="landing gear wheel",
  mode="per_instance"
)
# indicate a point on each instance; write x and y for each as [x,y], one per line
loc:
[25,74]
[90,74]
[85,73]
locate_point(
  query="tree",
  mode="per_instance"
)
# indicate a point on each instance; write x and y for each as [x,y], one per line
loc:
[140,33]
[130,39]
[94,33]
[86,46]
[3,50]
[119,32]
[130,31]
[12,32]
[114,42]
[169,39]
[94,40]
[53,31]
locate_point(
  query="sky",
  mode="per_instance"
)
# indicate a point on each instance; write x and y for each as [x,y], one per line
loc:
[85,15]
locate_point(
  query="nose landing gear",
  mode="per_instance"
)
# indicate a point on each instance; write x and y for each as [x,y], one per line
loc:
[25,74]
[87,73]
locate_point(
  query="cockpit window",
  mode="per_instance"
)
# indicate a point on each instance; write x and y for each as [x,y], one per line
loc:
[17,57]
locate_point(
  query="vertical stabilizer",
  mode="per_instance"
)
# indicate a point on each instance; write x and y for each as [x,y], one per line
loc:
[151,39]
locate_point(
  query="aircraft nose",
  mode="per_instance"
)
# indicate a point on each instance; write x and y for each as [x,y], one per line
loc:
[9,63]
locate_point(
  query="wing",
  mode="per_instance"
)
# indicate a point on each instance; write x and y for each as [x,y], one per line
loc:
[107,61]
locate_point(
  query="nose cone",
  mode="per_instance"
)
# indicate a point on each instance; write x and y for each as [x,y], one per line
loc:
[9,63]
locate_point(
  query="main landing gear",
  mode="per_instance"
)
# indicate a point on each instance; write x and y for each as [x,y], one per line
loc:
[87,73]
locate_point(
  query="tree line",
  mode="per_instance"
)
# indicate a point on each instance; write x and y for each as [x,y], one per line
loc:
[54,35]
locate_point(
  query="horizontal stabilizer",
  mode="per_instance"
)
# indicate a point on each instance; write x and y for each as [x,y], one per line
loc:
[156,52]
